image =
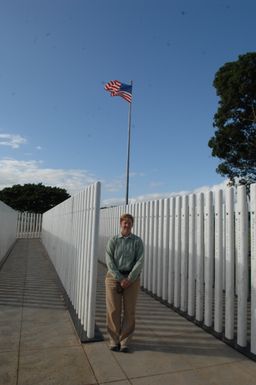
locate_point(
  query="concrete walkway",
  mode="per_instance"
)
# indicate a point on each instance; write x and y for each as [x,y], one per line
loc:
[39,345]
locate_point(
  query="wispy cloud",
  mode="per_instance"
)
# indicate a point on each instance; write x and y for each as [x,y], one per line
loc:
[119,183]
[14,171]
[215,187]
[114,185]
[20,172]
[160,195]
[154,184]
[12,140]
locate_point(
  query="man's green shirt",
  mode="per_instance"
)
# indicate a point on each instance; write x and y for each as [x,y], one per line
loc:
[125,254]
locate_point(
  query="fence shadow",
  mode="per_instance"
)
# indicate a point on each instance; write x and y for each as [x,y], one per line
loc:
[161,329]
[27,278]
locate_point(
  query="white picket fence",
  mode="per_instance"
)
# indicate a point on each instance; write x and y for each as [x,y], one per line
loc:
[29,225]
[198,251]
[70,236]
[8,220]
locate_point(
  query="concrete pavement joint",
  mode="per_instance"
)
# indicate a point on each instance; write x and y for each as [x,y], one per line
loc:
[86,356]
[114,381]
[158,374]
[40,348]
[118,364]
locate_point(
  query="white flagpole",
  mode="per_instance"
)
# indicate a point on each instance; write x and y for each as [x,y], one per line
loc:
[128,153]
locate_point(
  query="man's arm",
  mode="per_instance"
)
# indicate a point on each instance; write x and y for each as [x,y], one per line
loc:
[110,251]
[136,270]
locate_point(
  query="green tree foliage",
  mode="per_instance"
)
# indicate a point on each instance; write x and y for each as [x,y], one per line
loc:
[235,138]
[35,198]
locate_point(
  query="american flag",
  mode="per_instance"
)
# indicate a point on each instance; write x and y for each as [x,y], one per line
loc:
[117,88]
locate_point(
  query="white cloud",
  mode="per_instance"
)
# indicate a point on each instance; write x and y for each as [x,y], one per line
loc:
[38,147]
[216,187]
[14,171]
[133,174]
[155,184]
[20,172]
[155,196]
[115,185]
[119,183]
[12,140]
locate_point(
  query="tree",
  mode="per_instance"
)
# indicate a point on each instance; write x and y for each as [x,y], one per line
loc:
[35,198]
[235,138]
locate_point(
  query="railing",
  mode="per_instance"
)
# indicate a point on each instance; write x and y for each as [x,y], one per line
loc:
[198,256]
[70,235]
[29,225]
[8,220]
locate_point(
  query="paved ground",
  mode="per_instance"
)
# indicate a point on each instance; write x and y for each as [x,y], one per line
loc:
[39,346]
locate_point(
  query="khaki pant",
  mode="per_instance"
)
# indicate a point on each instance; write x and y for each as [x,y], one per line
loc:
[121,311]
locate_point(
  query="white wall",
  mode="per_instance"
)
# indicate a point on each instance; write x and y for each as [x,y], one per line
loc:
[8,225]
[197,253]
[70,236]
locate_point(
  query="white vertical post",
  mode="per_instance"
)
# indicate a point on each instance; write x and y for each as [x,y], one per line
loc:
[209,231]
[184,254]
[224,245]
[139,215]
[191,257]
[230,256]
[171,252]
[30,225]
[26,225]
[34,225]
[242,268]
[37,226]
[218,313]
[21,224]
[165,249]
[76,236]
[177,261]
[143,234]
[155,248]
[82,255]
[70,250]
[18,225]
[151,246]
[160,250]
[200,257]
[93,260]
[253,267]
[146,247]
[89,198]
[79,253]
[136,215]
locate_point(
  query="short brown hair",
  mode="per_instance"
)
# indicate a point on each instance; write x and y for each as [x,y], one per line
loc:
[126,216]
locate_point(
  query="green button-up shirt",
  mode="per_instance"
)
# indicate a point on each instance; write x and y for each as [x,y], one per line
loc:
[125,254]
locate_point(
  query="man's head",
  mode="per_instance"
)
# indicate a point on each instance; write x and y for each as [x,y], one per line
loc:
[126,223]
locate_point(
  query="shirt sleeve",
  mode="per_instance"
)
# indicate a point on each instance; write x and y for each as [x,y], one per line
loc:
[136,270]
[110,262]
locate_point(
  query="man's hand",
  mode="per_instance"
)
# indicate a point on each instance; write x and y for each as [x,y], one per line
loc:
[125,283]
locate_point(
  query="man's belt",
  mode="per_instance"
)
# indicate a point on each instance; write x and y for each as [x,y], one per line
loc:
[125,272]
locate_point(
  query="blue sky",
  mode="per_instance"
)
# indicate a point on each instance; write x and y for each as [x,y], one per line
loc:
[60,127]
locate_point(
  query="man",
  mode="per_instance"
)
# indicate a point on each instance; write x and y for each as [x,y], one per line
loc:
[124,259]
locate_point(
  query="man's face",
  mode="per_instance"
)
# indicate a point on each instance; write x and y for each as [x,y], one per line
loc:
[126,227]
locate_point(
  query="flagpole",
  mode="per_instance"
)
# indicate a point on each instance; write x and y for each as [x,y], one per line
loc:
[128,153]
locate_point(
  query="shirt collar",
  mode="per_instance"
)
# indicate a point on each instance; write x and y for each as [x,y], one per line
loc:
[129,236]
